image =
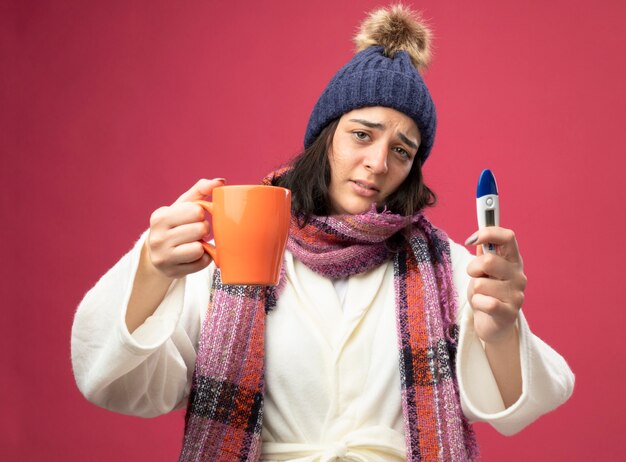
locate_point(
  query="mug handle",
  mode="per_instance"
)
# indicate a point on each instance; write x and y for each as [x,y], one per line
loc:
[209,248]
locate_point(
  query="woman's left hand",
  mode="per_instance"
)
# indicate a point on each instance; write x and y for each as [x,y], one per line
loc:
[496,291]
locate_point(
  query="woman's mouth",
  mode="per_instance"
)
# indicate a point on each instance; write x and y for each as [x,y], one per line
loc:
[363,188]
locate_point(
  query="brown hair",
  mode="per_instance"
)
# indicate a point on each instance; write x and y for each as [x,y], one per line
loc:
[309,177]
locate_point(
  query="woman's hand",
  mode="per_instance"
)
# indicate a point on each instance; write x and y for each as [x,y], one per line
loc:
[171,251]
[173,245]
[496,294]
[496,291]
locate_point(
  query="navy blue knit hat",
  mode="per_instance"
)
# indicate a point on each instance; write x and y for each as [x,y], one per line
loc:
[383,73]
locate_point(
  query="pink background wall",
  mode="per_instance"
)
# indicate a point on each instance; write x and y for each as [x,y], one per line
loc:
[111,109]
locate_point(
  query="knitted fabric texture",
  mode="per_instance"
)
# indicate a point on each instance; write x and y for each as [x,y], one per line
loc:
[225,409]
[372,79]
[224,414]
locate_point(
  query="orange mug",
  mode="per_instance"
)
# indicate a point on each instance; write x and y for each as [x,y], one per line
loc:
[250,227]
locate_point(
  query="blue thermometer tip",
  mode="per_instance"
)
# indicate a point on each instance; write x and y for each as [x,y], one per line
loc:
[486,184]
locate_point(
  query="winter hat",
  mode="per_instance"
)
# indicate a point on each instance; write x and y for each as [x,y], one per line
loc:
[392,46]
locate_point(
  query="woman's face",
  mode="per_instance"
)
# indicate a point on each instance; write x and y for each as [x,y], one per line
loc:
[371,154]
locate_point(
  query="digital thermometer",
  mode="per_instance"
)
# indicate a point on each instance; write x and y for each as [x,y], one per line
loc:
[487,205]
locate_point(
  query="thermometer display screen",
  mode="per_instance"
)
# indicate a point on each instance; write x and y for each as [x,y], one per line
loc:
[490,218]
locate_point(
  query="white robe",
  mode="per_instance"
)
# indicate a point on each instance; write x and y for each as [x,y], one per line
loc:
[332,376]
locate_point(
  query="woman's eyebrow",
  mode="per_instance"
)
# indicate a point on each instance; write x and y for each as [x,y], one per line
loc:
[369,124]
[408,141]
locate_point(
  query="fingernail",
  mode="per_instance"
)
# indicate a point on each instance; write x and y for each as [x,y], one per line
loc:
[223,180]
[473,238]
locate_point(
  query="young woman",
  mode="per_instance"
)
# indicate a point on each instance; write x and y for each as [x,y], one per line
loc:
[383,340]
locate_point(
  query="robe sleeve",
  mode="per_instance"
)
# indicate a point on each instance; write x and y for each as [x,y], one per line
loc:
[547,380]
[148,372]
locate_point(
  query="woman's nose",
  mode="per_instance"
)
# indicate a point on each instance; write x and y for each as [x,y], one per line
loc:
[376,159]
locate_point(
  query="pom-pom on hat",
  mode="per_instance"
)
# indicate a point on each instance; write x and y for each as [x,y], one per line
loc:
[392,46]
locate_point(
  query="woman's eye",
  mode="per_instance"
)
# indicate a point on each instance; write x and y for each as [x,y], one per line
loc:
[361,136]
[403,152]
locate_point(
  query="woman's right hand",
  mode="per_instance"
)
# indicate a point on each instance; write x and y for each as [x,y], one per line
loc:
[173,244]
[171,251]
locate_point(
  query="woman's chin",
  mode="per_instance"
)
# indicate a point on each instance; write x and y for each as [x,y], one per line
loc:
[355,208]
